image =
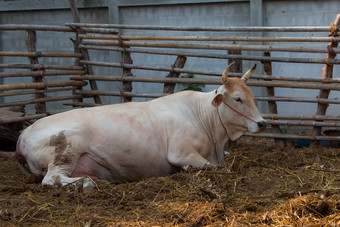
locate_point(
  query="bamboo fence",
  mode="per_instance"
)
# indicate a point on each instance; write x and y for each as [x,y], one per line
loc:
[110,38]
[35,93]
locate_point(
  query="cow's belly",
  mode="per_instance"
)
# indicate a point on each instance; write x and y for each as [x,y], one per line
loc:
[119,170]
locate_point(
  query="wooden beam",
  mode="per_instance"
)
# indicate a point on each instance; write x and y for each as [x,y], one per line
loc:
[126,72]
[327,73]
[272,107]
[179,63]
[31,40]
[84,52]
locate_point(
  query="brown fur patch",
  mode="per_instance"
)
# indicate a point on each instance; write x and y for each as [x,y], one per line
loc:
[62,156]
[59,142]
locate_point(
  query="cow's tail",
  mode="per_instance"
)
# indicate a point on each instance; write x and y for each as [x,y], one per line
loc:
[21,159]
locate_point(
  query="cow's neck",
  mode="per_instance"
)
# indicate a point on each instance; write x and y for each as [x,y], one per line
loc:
[209,122]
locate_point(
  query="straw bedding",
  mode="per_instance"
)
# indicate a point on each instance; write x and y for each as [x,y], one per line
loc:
[258,184]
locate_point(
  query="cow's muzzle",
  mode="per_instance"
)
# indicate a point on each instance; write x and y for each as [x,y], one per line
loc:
[262,125]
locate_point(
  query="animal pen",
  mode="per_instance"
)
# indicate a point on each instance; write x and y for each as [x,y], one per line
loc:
[258,184]
[246,44]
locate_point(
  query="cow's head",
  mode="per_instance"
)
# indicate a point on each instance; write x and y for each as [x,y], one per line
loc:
[236,105]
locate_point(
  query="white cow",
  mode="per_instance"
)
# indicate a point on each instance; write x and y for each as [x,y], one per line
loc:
[136,140]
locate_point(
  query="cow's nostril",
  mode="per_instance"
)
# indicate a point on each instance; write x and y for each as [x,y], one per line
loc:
[262,124]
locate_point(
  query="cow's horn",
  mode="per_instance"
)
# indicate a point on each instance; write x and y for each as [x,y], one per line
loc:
[247,75]
[225,73]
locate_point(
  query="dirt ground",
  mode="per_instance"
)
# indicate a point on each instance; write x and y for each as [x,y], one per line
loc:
[258,184]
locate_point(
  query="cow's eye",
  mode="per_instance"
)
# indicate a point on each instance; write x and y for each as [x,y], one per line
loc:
[238,99]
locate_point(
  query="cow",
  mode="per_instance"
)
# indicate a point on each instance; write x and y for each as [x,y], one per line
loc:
[137,140]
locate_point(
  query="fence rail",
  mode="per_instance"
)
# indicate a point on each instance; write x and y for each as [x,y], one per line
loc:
[205,28]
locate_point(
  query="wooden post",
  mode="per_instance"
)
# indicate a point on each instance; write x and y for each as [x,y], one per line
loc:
[126,59]
[179,63]
[31,39]
[84,52]
[327,72]
[272,107]
[237,67]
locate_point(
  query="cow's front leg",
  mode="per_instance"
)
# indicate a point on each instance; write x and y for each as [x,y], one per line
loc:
[188,157]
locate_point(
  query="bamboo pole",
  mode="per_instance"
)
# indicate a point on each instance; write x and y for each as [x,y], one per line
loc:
[35,27]
[304,85]
[118,93]
[41,73]
[298,99]
[276,48]
[287,136]
[302,123]
[100,30]
[148,79]
[39,100]
[214,55]
[7,87]
[24,118]
[212,38]
[301,117]
[205,28]
[82,104]
[41,66]
[53,28]
[2,94]
[40,54]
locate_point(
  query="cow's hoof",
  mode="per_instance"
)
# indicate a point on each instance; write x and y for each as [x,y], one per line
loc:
[210,167]
[186,168]
[190,169]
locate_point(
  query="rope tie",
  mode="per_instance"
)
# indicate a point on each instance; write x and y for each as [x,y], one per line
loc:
[273,119]
[124,75]
[333,29]
[43,77]
[122,94]
[121,44]
[332,33]
[172,70]
[330,64]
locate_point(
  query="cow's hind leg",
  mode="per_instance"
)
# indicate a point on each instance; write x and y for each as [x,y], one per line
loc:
[59,178]
[65,159]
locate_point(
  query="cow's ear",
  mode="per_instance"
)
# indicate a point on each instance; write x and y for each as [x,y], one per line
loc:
[217,100]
